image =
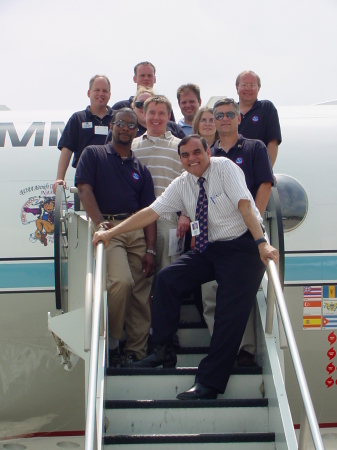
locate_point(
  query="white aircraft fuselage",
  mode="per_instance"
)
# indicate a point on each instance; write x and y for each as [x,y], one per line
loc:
[36,394]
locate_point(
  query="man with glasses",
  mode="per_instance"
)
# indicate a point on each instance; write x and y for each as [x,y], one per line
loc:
[86,127]
[259,118]
[230,247]
[252,157]
[112,185]
[144,75]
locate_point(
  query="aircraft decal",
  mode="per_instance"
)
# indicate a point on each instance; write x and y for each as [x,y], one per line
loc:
[39,211]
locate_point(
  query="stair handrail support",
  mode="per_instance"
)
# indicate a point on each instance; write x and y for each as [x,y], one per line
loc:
[97,353]
[285,320]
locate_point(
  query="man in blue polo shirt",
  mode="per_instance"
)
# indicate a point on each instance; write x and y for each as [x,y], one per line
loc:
[112,185]
[252,157]
[86,127]
[144,75]
[259,118]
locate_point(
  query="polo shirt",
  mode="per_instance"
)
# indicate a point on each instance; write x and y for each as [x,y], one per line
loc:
[187,129]
[119,185]
[261,122]
[160,156]
[80,131]
[127,104]
[252,157]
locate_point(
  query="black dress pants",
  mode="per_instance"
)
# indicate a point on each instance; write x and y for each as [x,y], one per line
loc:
[238,269]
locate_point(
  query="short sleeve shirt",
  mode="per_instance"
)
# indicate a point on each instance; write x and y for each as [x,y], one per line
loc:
[252,157]
[119,185]
[83,129]
[261,122]
[224,185]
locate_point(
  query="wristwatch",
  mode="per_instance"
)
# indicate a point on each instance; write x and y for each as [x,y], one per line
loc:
[152,252]
[259,241]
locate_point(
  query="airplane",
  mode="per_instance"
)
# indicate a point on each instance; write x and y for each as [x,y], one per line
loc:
[39,397]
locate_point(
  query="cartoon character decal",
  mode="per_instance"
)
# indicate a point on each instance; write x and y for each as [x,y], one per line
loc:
[41,210]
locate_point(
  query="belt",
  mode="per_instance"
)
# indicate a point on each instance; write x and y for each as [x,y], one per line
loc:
[122,216]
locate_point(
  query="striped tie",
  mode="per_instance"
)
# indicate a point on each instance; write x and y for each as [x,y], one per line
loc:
[201,240]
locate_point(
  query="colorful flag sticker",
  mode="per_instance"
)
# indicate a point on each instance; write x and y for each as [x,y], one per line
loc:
[312,291]
[329,321]
[312,322]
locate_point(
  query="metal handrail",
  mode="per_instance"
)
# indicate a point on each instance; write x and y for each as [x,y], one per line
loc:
[307,402]
[88,291]
[92,384]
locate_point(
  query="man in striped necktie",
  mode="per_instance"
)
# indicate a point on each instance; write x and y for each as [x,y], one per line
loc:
[235,256]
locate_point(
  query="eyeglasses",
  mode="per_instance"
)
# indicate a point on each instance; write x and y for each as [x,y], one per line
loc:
[139,104]
[204,120]
[221,115]
[246,85]
[122,123]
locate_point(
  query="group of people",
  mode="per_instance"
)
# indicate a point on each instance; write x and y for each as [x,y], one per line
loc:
[141,175]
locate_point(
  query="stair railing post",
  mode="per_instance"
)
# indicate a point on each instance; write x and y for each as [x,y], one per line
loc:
[90,428]
[304,431]
[270,305]
[309,408]
[88,291]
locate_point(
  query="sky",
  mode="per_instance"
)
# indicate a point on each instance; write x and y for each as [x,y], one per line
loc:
[50,49]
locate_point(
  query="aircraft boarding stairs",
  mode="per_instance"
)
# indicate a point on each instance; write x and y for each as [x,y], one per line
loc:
[138,409]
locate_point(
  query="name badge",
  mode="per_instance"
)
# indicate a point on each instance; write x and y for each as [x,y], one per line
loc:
[86,124]
[195,230]
[99,129]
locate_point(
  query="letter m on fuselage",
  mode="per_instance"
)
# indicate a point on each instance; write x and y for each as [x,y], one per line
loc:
[35,127]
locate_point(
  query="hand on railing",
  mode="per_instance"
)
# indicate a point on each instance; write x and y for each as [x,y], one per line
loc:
[101,236]
[268,252]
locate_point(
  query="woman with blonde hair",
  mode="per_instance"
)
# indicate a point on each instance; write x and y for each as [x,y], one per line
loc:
[204,125]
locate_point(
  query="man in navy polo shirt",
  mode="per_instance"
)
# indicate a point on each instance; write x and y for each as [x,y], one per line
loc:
[86,127]
[112,185]
[259,118]
[144,75]
[252,157]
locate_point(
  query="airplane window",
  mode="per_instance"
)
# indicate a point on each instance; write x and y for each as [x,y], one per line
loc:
[294,201]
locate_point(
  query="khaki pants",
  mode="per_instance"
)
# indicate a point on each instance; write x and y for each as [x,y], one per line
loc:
[128,291]
[208,301]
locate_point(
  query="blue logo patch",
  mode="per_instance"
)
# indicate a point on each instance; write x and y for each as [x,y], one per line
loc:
[135,176]
[239,160]
[255,118]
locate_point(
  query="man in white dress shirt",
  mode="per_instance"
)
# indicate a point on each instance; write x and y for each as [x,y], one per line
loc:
[230,248]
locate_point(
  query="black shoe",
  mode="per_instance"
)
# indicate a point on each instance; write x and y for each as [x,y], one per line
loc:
[129,360]
[163,355]
[115,358]
[245,359]
[198,392]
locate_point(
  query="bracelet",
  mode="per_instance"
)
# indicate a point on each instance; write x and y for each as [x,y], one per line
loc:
[259,241]
[152,252]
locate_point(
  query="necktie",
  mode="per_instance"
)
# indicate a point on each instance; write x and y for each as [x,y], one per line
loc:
[201,240]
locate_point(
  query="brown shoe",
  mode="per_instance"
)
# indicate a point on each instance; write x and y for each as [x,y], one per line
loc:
[245,359]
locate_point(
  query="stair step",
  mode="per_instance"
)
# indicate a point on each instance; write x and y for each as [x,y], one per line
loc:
[167,383]
[193,335]
[188,313]
[186,417]
[252,441]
